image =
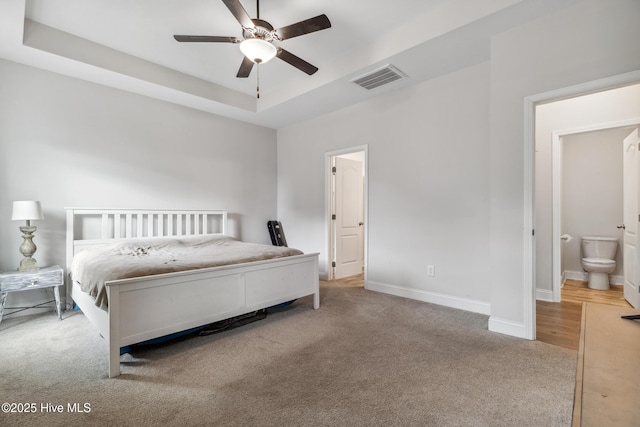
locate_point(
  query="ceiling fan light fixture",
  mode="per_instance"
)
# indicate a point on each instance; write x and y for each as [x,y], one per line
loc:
[258,50]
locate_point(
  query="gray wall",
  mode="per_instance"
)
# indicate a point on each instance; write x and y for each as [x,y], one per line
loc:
[67,142]
[591,191]
[428,186]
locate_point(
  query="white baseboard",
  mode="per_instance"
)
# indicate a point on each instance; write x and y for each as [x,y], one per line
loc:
[583,276]
[544,295]
[616,280]
[507,327]
[431,297]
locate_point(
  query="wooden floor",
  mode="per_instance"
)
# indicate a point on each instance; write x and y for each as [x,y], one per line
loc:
[356,281]
[558,323]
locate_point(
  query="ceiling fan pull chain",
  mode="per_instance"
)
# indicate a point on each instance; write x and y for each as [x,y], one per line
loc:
[258,82]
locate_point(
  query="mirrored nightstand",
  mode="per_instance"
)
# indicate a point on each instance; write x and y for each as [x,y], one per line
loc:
[16,281]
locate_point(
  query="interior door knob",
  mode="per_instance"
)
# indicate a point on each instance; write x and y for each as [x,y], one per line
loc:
[621,226]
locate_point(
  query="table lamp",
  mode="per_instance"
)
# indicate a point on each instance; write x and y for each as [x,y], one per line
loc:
[27,211]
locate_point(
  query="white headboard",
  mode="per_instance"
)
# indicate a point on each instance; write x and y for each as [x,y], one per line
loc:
[90,227]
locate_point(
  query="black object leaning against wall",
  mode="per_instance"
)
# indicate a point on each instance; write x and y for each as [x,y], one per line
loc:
[277,233]
[277,239]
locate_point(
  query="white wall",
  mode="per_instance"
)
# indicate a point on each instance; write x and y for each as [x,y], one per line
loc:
[428,186]
[602,109]
[67,142]
[446,161]
[592,191]
[586,41]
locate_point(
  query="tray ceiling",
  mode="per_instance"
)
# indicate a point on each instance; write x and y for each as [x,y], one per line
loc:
[130,45]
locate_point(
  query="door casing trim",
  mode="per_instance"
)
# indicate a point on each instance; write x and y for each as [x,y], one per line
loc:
[328,156]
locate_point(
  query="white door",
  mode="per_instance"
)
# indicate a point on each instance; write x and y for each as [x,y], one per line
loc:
[631,218]
[348,223]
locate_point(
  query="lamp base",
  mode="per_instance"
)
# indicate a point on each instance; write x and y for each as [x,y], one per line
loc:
[28,264]
[28,248]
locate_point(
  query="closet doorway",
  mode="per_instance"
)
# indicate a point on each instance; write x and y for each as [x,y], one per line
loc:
[346,213]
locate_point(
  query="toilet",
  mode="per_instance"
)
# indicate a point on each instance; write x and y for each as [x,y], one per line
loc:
[599,259]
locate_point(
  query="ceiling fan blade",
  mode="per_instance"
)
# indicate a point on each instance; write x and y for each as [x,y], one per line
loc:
[207,39]
[299,63]
[238,11]
[245,68]
[320,22]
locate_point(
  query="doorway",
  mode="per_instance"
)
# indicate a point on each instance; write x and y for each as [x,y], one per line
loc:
[347,213]
[591,159]
[540,229]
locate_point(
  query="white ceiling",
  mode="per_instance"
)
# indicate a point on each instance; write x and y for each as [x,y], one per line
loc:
[129,45]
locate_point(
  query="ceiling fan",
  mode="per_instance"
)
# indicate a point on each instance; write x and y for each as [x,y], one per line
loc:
[259,35]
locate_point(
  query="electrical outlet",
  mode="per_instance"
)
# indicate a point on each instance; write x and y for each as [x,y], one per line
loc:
[431,270]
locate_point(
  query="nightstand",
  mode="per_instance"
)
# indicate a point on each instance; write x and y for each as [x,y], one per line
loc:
[16,281]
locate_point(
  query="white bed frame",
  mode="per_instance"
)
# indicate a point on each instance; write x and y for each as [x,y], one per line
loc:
[149,307]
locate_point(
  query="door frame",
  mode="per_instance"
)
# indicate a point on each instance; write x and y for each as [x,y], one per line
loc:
[530,102]
[328,156]
[556,178]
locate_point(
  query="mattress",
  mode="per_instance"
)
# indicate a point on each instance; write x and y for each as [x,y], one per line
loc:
[91,269]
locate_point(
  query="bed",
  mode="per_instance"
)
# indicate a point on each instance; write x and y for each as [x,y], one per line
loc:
[142,308]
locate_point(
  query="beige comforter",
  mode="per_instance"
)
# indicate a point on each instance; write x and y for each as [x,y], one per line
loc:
[144,257]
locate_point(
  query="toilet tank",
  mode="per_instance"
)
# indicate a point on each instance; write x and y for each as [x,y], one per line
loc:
[599,247]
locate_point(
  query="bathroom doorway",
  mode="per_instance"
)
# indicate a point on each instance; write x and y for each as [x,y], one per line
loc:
[590,183]
[572,122]
[587,178]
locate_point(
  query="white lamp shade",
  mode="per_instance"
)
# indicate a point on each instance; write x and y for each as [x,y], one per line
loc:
[26,210]
[258,50]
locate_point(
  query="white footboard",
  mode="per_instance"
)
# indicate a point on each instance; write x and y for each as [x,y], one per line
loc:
[145,308]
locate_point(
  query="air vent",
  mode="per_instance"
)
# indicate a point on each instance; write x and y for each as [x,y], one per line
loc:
[379,77]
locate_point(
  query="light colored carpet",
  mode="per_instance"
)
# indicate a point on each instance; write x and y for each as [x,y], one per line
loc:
[363,359]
